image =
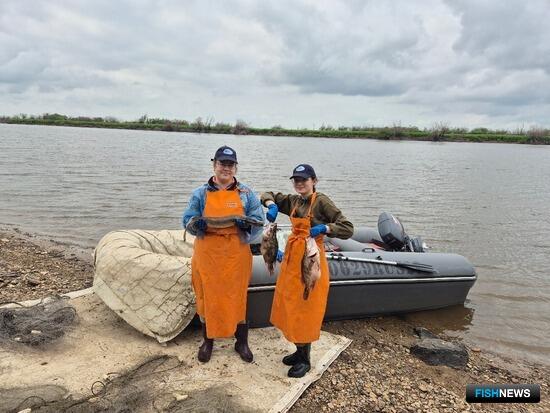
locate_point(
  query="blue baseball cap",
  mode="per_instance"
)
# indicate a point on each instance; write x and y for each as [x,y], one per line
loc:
[225,153]
[304,171]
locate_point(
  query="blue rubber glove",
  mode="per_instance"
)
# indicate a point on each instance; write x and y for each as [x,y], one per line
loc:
[201,225]
[272,212]
[242,225]
[317,230]
[280,256]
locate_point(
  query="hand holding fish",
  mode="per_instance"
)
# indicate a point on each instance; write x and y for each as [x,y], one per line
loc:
[318,230]
[272,211]
[201,225]
[244,226]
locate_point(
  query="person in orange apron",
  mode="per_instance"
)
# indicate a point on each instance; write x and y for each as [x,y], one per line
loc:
[222,259]
[312,214]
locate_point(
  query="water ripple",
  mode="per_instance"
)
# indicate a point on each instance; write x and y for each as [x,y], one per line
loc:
[487,202]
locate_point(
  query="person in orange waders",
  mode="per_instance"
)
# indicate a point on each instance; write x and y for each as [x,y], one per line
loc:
[222,260]
[312,214]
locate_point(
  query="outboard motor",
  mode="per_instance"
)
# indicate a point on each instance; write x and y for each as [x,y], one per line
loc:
[393,234]
[391,230]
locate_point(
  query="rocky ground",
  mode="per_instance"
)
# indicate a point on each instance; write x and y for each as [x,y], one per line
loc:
[32,267]
[376,373]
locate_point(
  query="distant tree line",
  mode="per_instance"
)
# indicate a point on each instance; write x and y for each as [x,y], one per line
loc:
[440,131]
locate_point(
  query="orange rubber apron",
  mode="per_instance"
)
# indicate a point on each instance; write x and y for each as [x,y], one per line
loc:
[221,268]
[300,320]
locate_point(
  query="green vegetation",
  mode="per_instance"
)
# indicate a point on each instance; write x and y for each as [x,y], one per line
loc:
[440,132]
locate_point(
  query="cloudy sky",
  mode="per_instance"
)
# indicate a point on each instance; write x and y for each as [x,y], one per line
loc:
[293,63]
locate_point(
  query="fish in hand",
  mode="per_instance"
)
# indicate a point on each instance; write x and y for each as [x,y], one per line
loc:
[220,222]
[311,266]
[269,247]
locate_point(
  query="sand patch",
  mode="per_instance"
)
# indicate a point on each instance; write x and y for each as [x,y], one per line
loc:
[103,364]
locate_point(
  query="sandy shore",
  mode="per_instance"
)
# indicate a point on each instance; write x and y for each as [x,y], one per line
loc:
[376,373]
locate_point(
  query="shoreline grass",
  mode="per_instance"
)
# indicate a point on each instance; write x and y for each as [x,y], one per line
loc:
[438,133]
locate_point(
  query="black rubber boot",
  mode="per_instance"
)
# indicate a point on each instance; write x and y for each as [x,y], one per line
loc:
[205,350]
[241,346]
[291,359]
[303,365]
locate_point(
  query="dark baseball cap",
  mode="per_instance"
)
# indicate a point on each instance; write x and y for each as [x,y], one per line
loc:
[225,153]
[303,171]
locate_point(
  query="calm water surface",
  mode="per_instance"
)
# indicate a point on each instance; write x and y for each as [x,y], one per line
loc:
[488,202]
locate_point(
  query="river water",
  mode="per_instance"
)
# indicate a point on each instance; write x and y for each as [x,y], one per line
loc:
[488,202]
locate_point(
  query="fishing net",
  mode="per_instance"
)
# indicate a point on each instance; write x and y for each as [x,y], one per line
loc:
[138,390]
[145,278]
[38,324]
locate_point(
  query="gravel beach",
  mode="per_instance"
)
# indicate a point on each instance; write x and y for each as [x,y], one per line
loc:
[376,373]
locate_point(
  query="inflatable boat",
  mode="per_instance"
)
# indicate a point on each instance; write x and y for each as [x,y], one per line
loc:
[373,274]
[145,277]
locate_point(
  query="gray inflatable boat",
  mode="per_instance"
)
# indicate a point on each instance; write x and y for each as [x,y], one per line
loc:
[373,274]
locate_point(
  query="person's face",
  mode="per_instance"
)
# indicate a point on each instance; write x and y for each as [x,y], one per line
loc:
[225,170]
[303,186]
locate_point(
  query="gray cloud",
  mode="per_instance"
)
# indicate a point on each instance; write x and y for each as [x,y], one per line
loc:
[280,62]
[509,35]
[347,50]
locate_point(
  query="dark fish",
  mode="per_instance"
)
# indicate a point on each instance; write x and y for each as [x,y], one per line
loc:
[220,222]
[269,247]
[311,266]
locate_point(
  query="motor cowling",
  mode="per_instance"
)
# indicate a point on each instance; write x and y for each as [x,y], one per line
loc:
[391,231]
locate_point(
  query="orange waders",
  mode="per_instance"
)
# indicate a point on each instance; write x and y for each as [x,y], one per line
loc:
[300,320]
[221,268]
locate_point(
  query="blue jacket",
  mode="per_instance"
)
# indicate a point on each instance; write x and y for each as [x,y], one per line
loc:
[251,205]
